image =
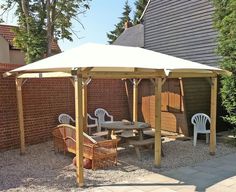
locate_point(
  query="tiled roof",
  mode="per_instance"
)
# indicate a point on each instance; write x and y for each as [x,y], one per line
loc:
[6,31]
[132,36]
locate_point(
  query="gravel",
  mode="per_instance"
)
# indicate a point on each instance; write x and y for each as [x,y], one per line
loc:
[43,170]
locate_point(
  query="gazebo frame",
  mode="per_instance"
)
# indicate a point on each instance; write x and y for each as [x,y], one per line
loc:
[93,61]
[79,75]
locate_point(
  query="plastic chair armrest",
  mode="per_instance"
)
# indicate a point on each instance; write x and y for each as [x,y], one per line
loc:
[110,116]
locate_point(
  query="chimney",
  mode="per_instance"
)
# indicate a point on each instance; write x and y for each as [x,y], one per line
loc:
[127,24]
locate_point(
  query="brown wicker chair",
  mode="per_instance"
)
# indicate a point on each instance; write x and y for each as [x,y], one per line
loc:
[102,153]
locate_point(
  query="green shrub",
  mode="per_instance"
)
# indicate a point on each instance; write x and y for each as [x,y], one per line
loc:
[225,23]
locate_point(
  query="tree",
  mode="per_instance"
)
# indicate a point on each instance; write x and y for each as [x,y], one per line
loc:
[224,21]
[42,21]
[119,27]
[139,9]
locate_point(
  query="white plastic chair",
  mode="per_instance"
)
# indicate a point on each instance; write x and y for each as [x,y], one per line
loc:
[199,121]
[91,126]
[101,114]
[65,119]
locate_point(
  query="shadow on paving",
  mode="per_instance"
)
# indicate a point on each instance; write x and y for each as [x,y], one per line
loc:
[206,175]
[213,175]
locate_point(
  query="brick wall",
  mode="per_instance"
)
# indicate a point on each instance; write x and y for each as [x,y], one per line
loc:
[108,94]
[45,99]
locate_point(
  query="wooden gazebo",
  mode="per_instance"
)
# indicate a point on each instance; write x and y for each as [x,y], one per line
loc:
[93,61]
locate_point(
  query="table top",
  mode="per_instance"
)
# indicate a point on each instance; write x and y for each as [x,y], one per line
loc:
[123,125]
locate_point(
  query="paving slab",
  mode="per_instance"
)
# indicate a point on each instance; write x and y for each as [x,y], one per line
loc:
[228,182]
[120,188]
[219,188]
[163,189]
[187,189]
[147,188]
[217,175]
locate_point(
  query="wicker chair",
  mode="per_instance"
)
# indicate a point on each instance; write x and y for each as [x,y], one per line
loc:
[102,153]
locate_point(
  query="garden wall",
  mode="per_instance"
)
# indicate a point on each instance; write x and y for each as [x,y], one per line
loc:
[45,99]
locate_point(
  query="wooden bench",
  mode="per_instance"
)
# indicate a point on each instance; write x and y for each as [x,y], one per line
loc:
[146,142]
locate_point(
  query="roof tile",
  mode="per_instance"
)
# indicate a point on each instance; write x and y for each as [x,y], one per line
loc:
[7,32]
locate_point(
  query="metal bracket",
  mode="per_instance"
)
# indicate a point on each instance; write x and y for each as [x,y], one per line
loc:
[74,71]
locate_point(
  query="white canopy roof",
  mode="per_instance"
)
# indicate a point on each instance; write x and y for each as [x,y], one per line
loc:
[113,56]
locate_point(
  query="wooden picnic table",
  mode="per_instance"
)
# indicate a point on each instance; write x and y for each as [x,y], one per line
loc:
[114,126]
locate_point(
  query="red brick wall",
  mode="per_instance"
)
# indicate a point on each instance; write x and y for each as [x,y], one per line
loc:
[9,133]
[45,99]
[108,94]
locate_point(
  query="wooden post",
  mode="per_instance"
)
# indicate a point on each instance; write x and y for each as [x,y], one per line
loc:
[158,87]
[128,99]
[20,114]
[135,100]
[72,82]
[213,115]
[79,130]
[85,110]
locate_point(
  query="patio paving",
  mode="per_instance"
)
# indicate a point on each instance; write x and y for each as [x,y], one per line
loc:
[211,176]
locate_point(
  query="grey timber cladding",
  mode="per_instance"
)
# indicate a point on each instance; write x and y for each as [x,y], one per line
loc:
[182,28]
[197,94]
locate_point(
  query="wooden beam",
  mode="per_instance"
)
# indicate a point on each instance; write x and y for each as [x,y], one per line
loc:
[79,130]
[182,94]
[163,81]
[87,81]
[7,74]
[152,81]
[191,74]
[120,75]
[117,74]
[44,75]
[209,81]
[213,115]
[20,114]
[85,110]
[158,87]
[113,69]
[183,106]
[87,69]
[135,100]
[72,82]
[128,98]
[139,81]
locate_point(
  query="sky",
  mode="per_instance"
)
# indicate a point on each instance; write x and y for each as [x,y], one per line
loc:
[99,20]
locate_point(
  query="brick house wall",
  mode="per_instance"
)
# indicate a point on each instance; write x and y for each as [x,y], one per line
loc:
[45,99]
